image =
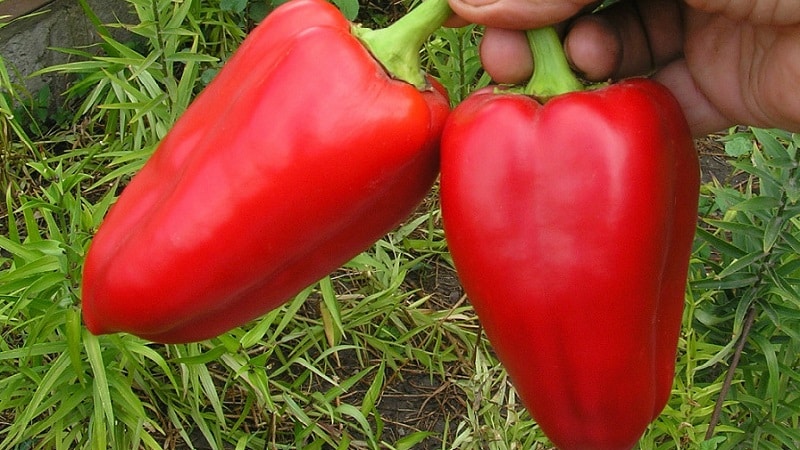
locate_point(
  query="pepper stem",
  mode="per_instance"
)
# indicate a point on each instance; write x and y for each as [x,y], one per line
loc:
[552,75]
[397,46]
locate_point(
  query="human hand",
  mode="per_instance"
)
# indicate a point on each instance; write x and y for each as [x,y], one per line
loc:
[726,61]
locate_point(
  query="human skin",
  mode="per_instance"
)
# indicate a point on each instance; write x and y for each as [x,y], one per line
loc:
[726,61]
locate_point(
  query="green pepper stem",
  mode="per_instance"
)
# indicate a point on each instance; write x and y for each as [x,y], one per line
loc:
[552,75]
[397,46]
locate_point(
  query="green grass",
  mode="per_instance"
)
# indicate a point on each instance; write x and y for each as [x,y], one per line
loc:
[385,352]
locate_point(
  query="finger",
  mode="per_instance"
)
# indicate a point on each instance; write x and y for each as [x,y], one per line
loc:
[506,55]
[517,14]
[630,38]
[760,12]
[594,48]
[455,21]
[703,117]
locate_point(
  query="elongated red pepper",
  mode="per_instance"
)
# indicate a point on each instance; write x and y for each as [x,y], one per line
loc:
[570,224]
[299,155]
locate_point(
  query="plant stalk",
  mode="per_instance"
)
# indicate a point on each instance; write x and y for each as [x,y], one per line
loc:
[552,74]
[726,385]
[397,46]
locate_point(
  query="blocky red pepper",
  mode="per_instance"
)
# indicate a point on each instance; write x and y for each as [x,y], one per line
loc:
[300,154]
[570,224]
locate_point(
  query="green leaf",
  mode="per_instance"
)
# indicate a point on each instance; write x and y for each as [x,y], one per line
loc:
[374,391]
[349,8]
[722,245]
[713,443]
[738,145]
[739,264]
[236,6]
[768,351]
[209,389]
[785,289]
[769,141]
[738,228]
[410,441]
[789,267]
[757,204]
[186,56]
[733,281]
[258,11]
[331,313]
[38,349]
[104,407]
[44,390]
[202,358]
[772,231]
[792,241]
[73,333]
[353,412]
[738,325]
[20,278]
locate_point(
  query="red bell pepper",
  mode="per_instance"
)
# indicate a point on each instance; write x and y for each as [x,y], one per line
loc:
[299,155]
[570,224]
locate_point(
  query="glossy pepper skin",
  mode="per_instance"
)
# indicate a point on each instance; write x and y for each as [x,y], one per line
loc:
[570,225]
[298,156]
